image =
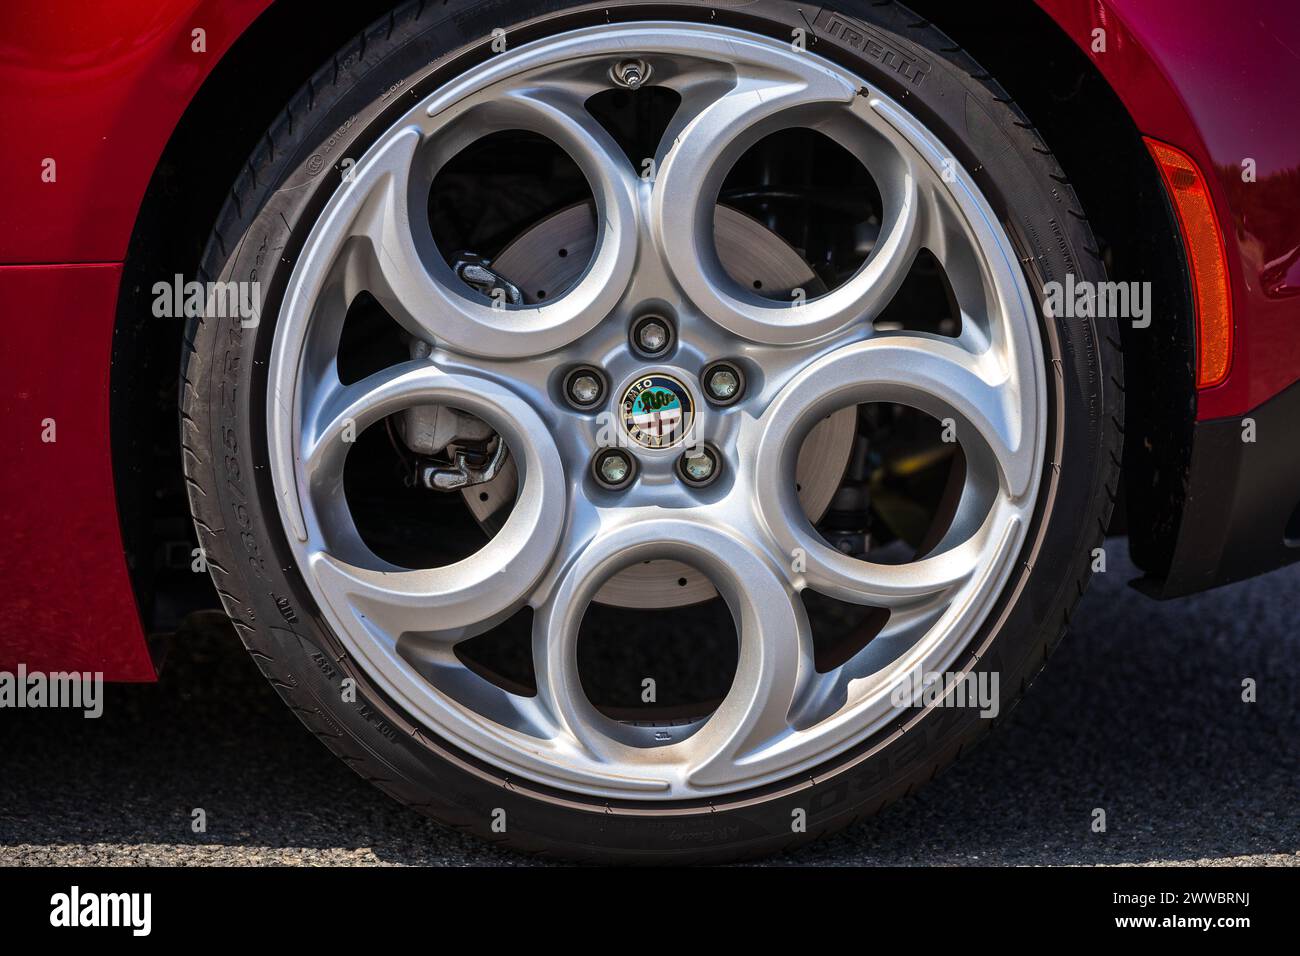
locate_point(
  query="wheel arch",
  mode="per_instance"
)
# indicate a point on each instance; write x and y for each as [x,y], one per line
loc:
[215,134]
[1096,140]
[1074,112]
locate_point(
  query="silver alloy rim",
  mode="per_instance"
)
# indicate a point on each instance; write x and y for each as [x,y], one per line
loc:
[746,532]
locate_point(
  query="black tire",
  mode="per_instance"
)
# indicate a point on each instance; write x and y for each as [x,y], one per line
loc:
[263,225]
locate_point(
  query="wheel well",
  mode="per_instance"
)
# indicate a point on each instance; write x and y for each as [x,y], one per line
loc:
[1058,88]
[216,134]
[1097,144]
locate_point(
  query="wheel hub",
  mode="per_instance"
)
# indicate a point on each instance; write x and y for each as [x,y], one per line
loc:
[551,255]
[657,411]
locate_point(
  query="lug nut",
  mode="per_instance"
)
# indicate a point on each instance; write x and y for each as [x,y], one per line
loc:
[723,383]
[699,466]
[652,335]
[631,73]
[612,468]
[584,387]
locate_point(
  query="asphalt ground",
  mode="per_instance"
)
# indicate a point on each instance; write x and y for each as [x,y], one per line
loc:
[1139,713]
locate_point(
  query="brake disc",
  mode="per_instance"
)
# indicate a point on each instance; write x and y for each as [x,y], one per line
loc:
[547,258]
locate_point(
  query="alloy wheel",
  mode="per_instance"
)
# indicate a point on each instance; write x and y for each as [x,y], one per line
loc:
[657,245]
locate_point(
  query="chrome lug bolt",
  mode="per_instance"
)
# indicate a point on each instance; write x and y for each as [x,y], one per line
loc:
[612,467]
[652,335]
[699,466]
[723,383]
[584,387]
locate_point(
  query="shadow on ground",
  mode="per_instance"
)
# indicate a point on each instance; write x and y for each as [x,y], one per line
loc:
[1139,713]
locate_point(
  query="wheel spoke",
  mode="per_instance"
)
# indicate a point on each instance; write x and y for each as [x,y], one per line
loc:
[437,603]
[339,414]
[449,599]
[980,405]
[774,670]
[396,259]
[559,686]
[713,130]
[973,393]
[775,658]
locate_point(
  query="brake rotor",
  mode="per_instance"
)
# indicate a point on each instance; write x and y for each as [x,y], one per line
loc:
[548,258]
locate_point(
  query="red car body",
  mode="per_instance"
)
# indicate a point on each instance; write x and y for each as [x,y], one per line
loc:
[99,90]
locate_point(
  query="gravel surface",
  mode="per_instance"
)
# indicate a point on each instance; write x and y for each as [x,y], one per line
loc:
[1139,713]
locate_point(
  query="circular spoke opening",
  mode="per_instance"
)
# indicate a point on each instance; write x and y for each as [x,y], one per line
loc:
[418,489]
[816,196]
[491,194]
[658,668]
[897,501]
[899,493]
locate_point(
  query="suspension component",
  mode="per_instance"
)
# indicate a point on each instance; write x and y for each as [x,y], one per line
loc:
[475,271]
[472,466]
[846,526]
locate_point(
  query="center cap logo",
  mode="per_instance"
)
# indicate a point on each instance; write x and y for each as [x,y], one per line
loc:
[658,411]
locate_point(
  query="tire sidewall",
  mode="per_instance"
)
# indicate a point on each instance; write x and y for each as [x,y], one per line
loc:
[373,87]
